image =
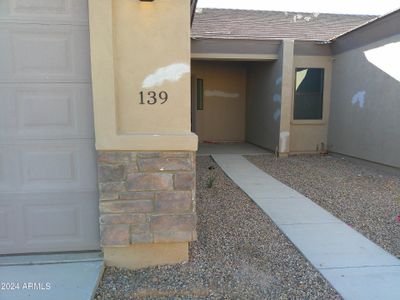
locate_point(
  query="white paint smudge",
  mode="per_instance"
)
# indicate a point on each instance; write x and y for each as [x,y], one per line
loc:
[386,59]
[283,141]
[277,114]
[315,15]
[173,72]
[276,98]
[307,19]
[221,94]
[278,81]
[359,98]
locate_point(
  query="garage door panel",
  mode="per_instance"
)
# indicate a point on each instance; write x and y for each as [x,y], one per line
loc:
[65,165]
[8,231]
[37,53]
[31,111]
[71,11]
[48,173]
[51,221]
[8,168]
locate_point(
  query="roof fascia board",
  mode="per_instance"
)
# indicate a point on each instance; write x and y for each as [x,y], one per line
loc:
[378,29]
[237,47]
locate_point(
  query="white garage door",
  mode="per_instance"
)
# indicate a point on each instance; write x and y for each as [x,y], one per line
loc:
[48,185]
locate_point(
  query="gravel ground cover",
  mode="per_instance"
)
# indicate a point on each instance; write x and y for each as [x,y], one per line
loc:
[363,196]
[240,254]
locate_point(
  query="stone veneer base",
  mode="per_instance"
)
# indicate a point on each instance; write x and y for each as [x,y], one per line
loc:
[146,199]
[145,255]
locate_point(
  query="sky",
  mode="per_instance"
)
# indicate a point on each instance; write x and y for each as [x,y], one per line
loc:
[369,7]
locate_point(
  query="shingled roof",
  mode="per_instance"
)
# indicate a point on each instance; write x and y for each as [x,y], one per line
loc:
[265,25]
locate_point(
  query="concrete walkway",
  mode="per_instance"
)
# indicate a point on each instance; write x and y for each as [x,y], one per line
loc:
[231,148]
[49,277]
[356,267]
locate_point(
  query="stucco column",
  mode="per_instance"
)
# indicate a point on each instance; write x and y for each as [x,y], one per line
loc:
[287,53]
[140,53]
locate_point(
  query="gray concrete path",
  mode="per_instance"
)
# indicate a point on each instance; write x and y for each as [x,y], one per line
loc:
[47,279]
[355,266]
[231,148]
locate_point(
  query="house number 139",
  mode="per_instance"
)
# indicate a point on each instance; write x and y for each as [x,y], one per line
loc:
[151,97]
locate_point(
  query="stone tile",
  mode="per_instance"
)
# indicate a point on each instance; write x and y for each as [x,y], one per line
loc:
[173,222]
[147,154]
[142,237]
[140,228]
[111,173]
[111,219]
[132,168]
[136,195]
[184,181]
[109,196]
[149,182]
[365,283]
[164,164]
[174,202]
[127,206]
[114,235]
[168,154]
[111,187]
[113,157]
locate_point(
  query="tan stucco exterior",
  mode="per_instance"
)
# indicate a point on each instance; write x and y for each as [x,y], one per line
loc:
[140,56]
[308,136]
[223,116]
[287,96]
[138,47]
[145,255]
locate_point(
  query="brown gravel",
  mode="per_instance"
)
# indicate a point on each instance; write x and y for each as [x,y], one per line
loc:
[364,196]
[240,254]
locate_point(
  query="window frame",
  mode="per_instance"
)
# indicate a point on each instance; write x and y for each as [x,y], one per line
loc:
[321,121]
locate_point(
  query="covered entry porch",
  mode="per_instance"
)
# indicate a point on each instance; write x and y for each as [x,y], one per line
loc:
[236,96]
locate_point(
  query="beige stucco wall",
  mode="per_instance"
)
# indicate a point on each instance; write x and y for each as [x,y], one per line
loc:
[223,117]
[141,47]
[263,103]
[287,57]
[365,108]
[306,135]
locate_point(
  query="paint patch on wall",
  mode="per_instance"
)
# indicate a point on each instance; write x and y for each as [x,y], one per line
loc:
[221,94]
[359,99]
[277,114]
[284,141]
[278,81]
[276,98]
[170,73]
[386,59]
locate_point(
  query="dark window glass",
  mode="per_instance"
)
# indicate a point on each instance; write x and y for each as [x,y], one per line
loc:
[200,101]
[308,95]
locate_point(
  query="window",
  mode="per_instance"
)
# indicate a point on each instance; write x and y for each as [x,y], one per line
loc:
[308,95]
